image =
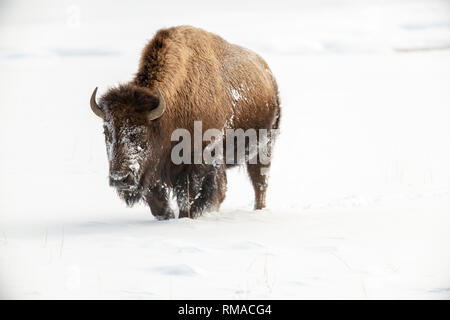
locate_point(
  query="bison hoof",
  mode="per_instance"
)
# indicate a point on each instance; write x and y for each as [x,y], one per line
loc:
[164,216]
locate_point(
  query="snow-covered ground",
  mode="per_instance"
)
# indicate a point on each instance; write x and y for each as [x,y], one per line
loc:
[359,197]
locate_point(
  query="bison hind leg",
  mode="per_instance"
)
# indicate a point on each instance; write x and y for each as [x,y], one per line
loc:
[259,165]
[258,171]
[259,174]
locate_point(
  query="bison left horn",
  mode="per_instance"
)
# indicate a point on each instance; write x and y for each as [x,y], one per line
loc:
[95,107]
[159,110]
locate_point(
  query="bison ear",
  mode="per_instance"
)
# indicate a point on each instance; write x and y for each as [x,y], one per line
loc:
[160,108]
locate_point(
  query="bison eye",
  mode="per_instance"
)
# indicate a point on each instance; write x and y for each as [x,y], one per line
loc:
[134,137]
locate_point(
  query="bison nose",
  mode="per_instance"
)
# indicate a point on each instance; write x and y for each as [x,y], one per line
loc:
[122,182]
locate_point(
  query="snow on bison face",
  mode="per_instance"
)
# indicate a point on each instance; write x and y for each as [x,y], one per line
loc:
[127,149]
[127,113]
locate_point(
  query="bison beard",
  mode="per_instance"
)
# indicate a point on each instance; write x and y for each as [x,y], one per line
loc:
[185,75]
[130,197]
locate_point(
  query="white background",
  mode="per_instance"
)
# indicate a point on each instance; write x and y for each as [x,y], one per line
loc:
[359,197]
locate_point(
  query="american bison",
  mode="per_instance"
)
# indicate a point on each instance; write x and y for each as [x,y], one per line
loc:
[187,75]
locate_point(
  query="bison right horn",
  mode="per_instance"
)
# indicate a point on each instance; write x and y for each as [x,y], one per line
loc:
[159,110]
[94,106]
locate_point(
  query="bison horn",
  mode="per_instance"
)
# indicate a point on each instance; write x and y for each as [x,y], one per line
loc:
[159,110]
[95,107]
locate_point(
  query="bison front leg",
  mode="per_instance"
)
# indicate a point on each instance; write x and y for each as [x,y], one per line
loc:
[158,200]
[201,191]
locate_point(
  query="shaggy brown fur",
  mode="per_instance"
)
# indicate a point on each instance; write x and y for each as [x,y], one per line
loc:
[202,77]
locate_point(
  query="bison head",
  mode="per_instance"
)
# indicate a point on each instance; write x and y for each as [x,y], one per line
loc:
[128,113]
